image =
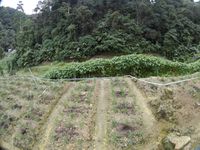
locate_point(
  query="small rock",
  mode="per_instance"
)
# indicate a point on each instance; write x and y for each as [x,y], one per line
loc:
[167,94]
[83,93]
[198,147]
[197,104]
[174,142]
[188,147]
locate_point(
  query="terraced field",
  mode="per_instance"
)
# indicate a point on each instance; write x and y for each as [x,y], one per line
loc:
[101,114]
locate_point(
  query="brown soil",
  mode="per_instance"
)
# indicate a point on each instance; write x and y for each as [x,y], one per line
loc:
[176,110]
[124,128]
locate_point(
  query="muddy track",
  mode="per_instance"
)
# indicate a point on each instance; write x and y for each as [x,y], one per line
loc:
[52,118]
[101,116]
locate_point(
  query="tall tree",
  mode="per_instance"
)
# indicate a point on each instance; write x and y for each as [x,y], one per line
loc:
[10,20]
[20,6]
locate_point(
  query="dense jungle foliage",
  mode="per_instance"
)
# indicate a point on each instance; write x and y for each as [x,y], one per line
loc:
[79,29]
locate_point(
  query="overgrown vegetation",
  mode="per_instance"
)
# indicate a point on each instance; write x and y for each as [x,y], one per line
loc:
[136,65]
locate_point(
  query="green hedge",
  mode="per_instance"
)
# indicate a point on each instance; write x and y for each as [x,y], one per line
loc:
[136,65]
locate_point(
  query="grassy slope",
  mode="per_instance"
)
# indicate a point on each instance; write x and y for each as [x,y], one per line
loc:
[41,69]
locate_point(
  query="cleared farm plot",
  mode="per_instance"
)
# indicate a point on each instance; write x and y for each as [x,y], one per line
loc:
[101,114]
[24,106]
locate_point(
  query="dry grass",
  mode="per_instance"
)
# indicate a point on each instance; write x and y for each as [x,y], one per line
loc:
[125,122]
[24,105]
[57,115]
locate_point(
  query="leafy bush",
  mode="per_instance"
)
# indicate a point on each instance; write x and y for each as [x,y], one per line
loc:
[8,64]
[136,65]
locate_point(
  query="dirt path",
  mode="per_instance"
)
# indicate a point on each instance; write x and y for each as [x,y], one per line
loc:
[148,118]
[52,118]
[101,116]
[151,127]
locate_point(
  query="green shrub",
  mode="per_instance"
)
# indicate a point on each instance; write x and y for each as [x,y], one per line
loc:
[136,65]
[7,64]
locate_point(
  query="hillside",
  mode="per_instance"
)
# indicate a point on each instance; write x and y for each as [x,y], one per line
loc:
[65,30]
[100,75]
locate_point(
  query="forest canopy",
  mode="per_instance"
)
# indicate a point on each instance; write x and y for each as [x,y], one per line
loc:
[10,22]
[79,29]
